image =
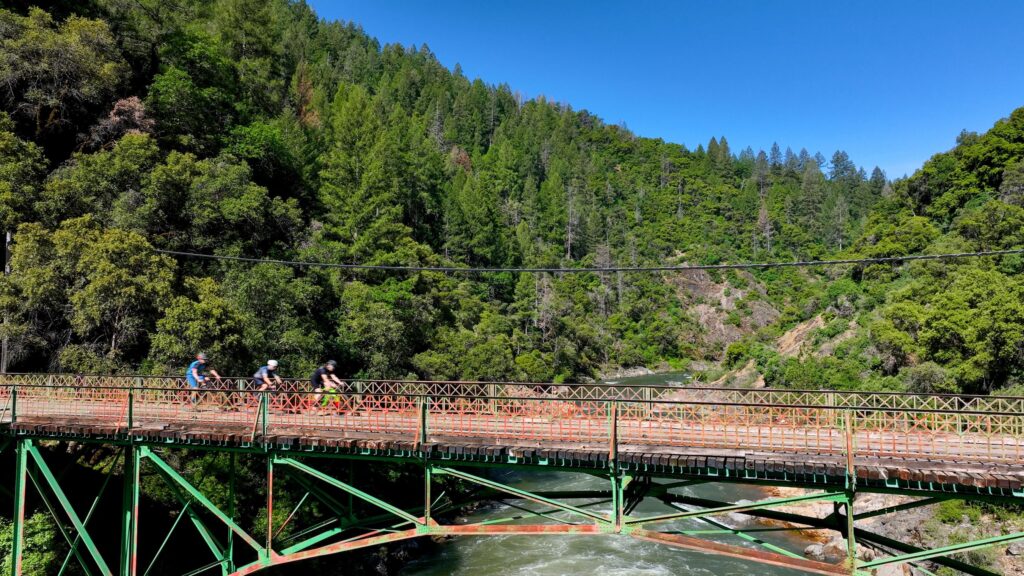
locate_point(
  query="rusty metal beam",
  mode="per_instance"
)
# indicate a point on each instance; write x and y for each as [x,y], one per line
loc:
[741,552]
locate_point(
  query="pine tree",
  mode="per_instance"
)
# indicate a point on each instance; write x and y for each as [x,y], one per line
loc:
[775,156]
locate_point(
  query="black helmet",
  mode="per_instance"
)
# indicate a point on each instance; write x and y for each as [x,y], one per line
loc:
[201,357]
[331,364]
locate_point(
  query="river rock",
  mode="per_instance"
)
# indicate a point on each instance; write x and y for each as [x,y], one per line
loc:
[815,551]
[865,554]
[835,548]
[627,372]
[1015,549]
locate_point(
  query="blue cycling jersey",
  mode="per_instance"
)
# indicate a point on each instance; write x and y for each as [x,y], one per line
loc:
[200,368]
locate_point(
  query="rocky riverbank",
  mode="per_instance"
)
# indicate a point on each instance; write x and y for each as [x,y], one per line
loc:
[925,527]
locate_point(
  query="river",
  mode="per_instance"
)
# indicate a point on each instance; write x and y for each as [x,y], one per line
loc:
[563,555]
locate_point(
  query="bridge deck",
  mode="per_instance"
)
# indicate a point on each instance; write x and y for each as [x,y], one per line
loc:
[779,451]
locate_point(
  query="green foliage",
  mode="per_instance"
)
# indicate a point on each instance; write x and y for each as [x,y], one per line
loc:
[205,320]
[276,134]
[187,116]
[43,550]
[208,205]
[92,183]
[102,286]
[955,511]
[21,173]
[928,378]
[55,74]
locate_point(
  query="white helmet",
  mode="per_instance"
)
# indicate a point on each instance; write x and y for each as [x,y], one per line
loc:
[272,363]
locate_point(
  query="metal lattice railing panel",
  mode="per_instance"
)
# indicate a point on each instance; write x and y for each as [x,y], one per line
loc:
[879,424]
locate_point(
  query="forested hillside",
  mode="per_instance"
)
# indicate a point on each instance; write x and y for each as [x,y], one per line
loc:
[252,128]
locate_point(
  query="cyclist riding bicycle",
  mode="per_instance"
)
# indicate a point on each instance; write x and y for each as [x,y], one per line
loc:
[325,380]
[196,375]
[266,377]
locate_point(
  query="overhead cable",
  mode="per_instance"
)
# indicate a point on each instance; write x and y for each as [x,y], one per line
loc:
[593,269]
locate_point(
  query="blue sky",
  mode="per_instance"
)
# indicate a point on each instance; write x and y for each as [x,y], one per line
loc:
[891,82]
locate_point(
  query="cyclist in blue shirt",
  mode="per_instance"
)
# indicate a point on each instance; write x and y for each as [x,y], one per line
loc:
[196,374]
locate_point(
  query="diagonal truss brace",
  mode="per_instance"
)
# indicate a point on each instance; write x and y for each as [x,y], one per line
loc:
[58,524]
[823,497]
[348,488]
[69,510]
[730,550]
[211,542]
[944,551]
[202,500]
[599,518]
[743,534]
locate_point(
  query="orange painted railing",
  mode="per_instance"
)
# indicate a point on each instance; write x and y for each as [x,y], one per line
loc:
[943,427]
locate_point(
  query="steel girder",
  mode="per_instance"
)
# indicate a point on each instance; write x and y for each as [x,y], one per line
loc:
[560,512]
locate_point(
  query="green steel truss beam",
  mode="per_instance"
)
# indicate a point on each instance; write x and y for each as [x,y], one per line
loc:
[625,494]
[18,529]
[944,551]
[901,507]
[599,518]
[325,498]
[204,532]
[743,534]
[348,488]
[130,511]
[88,516]
[205,502]
[824,497]
[174,526]
[56,521]
[860,534]
[889,544]
[69,510]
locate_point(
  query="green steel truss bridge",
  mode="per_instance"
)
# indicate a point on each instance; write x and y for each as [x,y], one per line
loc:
[645,442]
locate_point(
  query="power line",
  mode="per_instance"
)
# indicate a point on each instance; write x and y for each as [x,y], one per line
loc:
[659,268]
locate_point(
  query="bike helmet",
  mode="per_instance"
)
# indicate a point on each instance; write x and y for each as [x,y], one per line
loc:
[331,364]
[272,363]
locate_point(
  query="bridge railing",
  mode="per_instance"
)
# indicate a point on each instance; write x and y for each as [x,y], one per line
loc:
[583,392]
[874,425]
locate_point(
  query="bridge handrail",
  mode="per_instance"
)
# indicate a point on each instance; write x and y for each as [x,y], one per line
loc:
[474,397]
[404,412]
[571,385]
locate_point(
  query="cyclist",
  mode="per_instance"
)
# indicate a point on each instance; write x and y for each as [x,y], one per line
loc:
[266,377]
[196,375]
[325,380]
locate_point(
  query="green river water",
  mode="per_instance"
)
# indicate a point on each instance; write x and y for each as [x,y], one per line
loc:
[562,555]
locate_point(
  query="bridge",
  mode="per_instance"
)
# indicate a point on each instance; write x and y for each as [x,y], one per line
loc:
[646,442]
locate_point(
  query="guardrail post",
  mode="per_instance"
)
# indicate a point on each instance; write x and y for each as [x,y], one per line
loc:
[131,408]
[424,408]
[264,411]
[613,465]
[613,436]
[14,404]
[851,474]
